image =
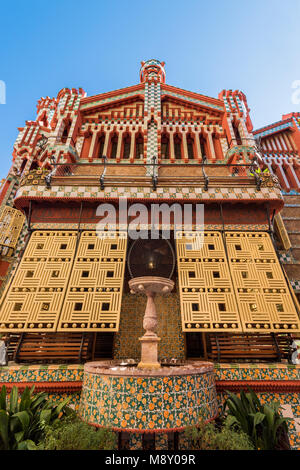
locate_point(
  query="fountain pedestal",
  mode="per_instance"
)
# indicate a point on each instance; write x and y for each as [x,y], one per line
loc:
[150,286]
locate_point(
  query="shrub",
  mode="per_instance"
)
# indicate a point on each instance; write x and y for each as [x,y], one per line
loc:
[23,419]
[73,434]
[210,437]
[264,424]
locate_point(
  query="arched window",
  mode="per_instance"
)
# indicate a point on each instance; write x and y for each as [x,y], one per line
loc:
[165,146]
[65,133]
[190,146]
[126,145]
[177,147]
[114,146]
[139,146]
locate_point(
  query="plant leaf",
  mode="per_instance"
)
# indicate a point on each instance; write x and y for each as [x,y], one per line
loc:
[14,395]
[3,398]
[24,419]
[4,432]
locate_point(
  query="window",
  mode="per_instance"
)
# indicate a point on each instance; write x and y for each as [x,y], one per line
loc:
[101,142]
[244,274]
[139,147]
[114,146]
[105,307]
[85,274]
[222,307]
[78,307]
[216,274]
[211,247]
[192,274]
[203,145]
[110,274]
[195,307]
[65,133]
[29,273]
[238,247]
[126,146]
[190,147]
[165,146]
[177,147]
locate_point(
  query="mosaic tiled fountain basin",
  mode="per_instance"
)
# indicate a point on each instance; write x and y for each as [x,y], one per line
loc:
[131,399]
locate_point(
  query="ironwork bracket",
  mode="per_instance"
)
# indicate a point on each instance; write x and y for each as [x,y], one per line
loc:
[104,158]
[154,176]
[206,178]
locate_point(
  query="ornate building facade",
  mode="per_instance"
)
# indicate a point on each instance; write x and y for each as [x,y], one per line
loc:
[150,143]
[280,146]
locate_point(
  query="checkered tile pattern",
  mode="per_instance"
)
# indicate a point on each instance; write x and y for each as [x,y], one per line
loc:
[296,285]
[286,258]
[93,192]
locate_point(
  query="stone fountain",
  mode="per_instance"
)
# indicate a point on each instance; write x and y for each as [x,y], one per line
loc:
[149,396]
[150,286]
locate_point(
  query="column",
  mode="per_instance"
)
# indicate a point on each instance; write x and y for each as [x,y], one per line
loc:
[132,145]
[106,142]
[92,147]
[185,155]
[171,145]
[120,137]
[198,148]
[211,147]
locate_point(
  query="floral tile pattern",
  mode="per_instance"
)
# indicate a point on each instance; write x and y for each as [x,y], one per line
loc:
[148,403]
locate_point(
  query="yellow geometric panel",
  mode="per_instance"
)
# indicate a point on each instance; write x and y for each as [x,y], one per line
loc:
[94,295]
[264,299]
[34,299]
[11,224]
[206,292]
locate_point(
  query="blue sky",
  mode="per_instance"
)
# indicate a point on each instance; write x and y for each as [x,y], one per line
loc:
[98,45]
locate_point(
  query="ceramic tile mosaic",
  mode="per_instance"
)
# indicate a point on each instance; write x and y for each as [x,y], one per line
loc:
[254,371]
[41,373]
[246,372]
[148,403]
[127,343]
[93,192]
